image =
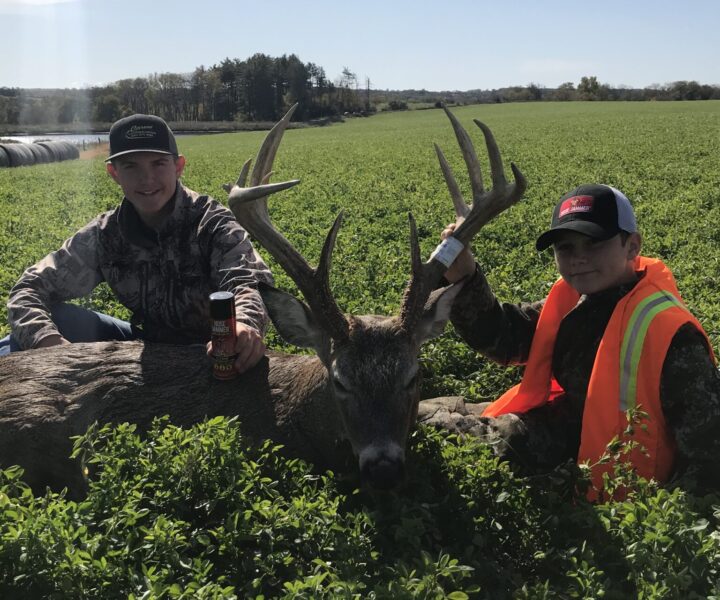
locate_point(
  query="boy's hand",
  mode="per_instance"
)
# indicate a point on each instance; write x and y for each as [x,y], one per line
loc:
[249,346]
[464,264]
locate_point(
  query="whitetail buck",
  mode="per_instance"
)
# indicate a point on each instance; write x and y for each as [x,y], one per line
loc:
[362,387]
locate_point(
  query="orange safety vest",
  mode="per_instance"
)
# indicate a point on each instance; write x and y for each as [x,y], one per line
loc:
[626,373]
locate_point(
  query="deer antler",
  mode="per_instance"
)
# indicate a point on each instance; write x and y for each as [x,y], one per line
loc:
[486,205]
[249,204]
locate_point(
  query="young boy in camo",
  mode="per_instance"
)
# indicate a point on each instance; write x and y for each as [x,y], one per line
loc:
[162,251]
[613,334]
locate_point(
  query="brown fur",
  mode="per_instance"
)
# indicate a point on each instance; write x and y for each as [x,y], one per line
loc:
[48,395]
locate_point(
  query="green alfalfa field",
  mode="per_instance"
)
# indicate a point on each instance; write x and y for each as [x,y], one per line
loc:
[253,524]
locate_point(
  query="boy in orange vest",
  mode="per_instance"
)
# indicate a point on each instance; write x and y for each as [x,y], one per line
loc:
[613,334]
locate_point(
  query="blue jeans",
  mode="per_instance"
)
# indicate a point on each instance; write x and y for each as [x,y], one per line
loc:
[78,324]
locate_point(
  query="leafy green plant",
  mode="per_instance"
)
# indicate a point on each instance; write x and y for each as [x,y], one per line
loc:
[202,513]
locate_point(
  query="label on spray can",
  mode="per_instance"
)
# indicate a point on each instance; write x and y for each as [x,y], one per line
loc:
[223,334]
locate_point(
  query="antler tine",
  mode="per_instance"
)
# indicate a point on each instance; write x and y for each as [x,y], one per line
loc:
[415,260]
[461,209]
[326,255]
[415,293]
[497,172]
[486,205]
[266,154]
[249,205]
[468,152]
[320,297]
[242,178]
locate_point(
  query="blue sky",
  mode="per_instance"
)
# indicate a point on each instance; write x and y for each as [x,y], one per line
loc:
[439,45]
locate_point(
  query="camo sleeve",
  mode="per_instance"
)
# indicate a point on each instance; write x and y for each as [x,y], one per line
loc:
[501,331]
[70,272]
[236,266]
[690,396]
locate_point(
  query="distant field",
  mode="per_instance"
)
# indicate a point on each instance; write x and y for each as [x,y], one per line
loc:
[664,156]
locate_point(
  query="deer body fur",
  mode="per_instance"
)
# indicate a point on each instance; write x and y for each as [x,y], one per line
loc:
[49,395]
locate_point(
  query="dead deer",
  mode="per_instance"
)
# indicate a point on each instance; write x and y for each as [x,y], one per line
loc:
[362,386]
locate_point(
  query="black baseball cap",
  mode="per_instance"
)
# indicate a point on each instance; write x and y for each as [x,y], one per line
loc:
[599,211]
[141,133]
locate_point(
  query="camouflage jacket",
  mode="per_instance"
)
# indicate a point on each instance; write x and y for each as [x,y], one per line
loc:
[163,277]
[549,435]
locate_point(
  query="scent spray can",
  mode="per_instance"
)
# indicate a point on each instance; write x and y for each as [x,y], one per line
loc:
[223,335]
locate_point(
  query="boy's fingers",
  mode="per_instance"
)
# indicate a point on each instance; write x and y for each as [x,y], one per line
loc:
[243,353]
[249,356]
[445,233]
[463,266]
[249,348]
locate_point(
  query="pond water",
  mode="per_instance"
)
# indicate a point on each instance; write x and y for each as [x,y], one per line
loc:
[74,138]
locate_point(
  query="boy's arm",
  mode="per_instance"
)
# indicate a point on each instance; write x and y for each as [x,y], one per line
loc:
[690,397]
[503,332]
[237,267]
[70,272]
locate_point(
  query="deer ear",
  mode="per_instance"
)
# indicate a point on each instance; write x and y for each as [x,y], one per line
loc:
[292,318]
[436,312]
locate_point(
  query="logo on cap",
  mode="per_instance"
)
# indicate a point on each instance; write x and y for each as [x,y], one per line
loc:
[137,132]
[576,204]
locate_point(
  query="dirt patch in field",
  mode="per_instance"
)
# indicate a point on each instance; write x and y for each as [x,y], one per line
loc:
[94,151]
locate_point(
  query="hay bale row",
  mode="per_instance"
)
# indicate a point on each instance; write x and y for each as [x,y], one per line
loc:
[18,155]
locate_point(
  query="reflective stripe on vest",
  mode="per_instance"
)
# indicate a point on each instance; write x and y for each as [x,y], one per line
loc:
[632,344]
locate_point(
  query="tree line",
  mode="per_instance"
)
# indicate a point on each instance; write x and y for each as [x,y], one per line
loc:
[261,88]
[587,89]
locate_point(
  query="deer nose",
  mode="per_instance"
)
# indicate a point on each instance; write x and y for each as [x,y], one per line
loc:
[383,466]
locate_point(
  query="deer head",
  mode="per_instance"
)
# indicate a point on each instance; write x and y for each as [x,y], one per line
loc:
[372,361]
